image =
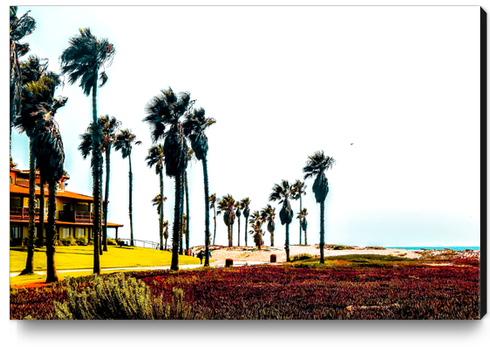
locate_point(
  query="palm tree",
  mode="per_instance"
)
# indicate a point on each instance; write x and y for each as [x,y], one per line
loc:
[282,193]
[124,142]
[158,202]
[302,221]
[165,110]
[83,60]
[299,188]
[165,232]
[48,149]
[156,158]
[185,229]
[19,28]
[37,102]
[256,222]
[212,201]
[226,205]
[245,204]
[109,126]
[238,213]
[316,165]
[194,128]
[268,214]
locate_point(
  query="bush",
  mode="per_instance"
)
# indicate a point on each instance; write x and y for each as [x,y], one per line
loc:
[68,241]
[301,257]
[81,241]
[338,247]
[111,242]
[120,297]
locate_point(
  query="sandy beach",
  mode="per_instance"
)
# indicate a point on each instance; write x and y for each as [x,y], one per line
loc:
[220,253]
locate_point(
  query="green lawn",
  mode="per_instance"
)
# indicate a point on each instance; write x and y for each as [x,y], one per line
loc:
[81,257]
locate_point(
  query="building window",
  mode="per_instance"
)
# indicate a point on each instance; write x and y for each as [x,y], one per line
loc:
[80,232]
[15,232]
[65,232]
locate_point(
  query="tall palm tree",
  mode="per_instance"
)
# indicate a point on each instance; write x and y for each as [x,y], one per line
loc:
[156,158]
[109,126]
[268,214]
[226,205]
[245,204]
[256,222]
[303,222]
[185,229]
[164,112]
[19,28]
[165,232]
[282,193]
[84,60]
[299,189]
[48,149]
[238,213]
[124,142]
[315,166]
[212,202]
[158,202]
[38,101]
[194,128]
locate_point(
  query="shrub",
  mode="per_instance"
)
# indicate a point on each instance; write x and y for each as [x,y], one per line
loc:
[111,242]
[301,257]
[68,241]
[81,241]
[120,297]
[338,247]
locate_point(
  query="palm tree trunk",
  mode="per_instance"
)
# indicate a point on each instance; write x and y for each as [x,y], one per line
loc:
[238,231]
[287,242]
[322,231]
[181,216]
[206,210]
[272,237]
[29,269]
[40,228]
[246,226]
[214,237]
[97,179]
[52,276]
[177,221]
[188,220]
[160,173]
[131,200]
[300,208]
[106,201]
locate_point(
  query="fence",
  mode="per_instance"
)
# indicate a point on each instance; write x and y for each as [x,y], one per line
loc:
[142,243]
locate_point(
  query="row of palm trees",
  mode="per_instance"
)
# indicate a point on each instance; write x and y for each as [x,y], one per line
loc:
[315,167]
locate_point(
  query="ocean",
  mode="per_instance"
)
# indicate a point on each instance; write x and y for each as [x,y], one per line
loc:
[456,248]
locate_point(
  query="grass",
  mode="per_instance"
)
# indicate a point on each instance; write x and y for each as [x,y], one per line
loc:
[354,261]
[81,257]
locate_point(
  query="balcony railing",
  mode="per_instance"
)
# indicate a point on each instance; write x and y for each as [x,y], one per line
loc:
[76,216]
[22,213]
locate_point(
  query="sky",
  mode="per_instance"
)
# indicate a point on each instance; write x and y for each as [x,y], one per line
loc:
[392,93]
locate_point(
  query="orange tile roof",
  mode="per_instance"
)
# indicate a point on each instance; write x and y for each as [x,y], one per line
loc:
[58,222]
[62,194]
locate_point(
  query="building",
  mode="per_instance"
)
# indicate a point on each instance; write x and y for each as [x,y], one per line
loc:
[73,210]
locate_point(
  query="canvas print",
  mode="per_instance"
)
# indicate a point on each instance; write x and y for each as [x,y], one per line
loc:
[247,162]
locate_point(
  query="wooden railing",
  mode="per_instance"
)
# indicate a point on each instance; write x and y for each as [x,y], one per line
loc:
[22,213]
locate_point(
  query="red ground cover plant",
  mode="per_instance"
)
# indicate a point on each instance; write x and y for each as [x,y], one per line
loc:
[283,292]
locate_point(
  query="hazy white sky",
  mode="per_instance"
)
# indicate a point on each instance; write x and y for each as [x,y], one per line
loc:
[400,83]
